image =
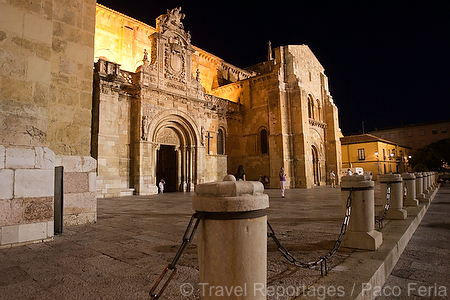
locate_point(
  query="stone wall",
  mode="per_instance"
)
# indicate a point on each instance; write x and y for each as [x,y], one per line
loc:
[27,181]
[26,194]
[46,55]
[79,186]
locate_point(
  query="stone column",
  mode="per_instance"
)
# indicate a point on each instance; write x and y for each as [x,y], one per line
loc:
[394,181]
[361,233]
[232,238]
[179,169]
[419,186]
[410,182]
[184,169]
[192,168]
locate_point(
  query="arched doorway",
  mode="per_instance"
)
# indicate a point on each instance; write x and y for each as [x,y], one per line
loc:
[174,137]
[166,167]
[316,166]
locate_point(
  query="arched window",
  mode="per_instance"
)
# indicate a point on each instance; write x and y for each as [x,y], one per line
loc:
[220,146]
[264,145]
[310,107]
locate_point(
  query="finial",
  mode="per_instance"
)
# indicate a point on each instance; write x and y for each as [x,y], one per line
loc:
[269,50]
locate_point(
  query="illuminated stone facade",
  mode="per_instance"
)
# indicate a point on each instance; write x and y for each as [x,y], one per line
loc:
[164,109]
[46,54]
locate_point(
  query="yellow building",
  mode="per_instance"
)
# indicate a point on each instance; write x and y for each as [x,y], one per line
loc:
[374,154]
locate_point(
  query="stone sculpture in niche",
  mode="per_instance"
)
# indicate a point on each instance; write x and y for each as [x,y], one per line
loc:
[145,124]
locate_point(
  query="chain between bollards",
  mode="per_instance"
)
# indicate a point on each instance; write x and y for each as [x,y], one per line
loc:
[187,238]
[192,228]
[324,259]
[386,206]
[189,235]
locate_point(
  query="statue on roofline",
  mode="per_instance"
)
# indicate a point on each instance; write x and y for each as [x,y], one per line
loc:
[172,18]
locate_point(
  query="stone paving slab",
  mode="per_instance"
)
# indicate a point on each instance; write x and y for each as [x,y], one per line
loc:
[136,237]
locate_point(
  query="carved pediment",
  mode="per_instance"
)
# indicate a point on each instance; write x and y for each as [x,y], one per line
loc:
[167,136]
[169,63]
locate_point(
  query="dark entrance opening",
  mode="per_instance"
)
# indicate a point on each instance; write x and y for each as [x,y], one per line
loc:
[316,166]
[167,167]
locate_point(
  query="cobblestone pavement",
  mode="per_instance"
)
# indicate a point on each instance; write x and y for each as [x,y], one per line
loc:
[122,255]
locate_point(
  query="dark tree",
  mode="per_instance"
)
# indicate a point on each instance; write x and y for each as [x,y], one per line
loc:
[432,157]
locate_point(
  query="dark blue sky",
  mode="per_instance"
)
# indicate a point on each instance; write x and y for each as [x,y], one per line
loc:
[387,61]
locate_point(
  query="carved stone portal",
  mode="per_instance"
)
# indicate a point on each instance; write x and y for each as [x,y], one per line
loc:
[168,136]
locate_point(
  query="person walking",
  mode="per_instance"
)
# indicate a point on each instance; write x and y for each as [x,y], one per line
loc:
[332,179]
[161,185]
[282,176]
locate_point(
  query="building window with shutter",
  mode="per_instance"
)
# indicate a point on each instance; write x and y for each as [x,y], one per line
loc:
[361,154]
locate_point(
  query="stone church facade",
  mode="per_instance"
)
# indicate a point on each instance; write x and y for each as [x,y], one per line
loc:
[153,107]
[165,109]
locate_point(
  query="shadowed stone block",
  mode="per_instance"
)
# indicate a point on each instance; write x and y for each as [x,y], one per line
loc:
[2,157]
[76,182]
[92,182]
[6,183]
[38,209]
[33,231]
[79,202]
[10,234]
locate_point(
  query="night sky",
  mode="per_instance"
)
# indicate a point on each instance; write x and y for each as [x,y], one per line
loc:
[387,61]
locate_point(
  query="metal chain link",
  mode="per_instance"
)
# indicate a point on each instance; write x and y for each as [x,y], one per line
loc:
[190,232]
[386,206]
[322,260]
[187,238]
[405,191]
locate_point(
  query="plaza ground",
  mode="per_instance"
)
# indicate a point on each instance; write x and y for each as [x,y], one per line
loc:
[136,237]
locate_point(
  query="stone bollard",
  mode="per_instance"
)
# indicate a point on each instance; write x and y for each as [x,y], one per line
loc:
[396,211]
[410,183]
[426,183]
[430,182]
[232,239]
[419,186]
[361,233]
[434,179]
